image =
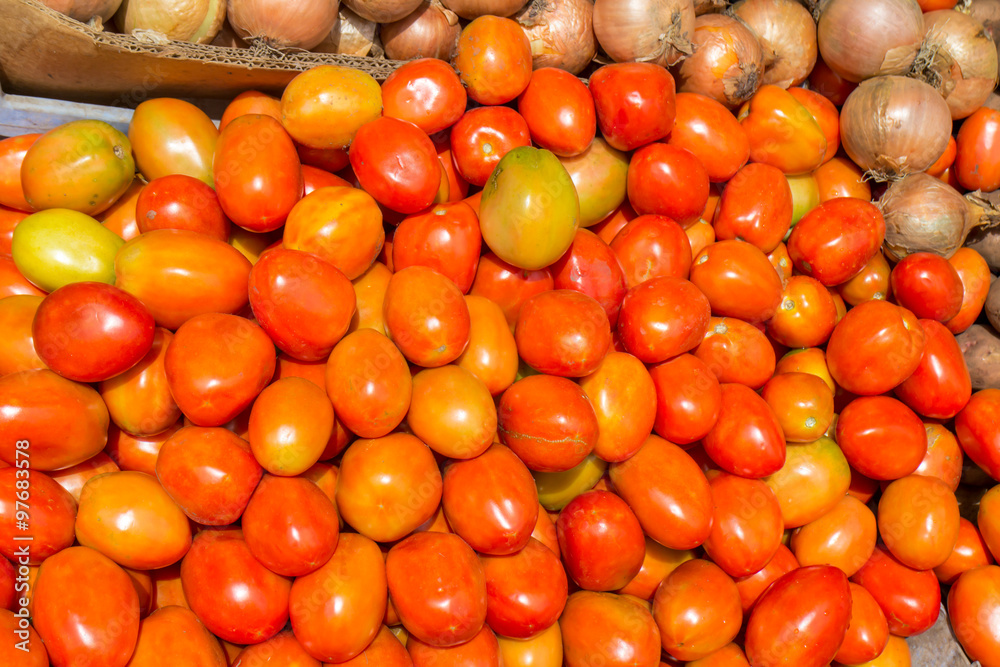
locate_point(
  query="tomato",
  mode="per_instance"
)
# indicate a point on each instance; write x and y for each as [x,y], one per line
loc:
[446,238]
[669,181]
[975,426]
[600,540]
[662,318]
[491,355]
[975,166]
[974,273]
[599,174]
[325,106]
[483,650]
[782,132]
[688,399]
[83,165]
[30,653]
[13,282]
[17,348]
[843,537]
[12,153]
[805,195]
[41,407]
[667,492]
[881,437]
[482,137]
[313,179]
[697,609]
[752,586]
[918,521]
[928,285]
[738,280]
[544,649]
[756,207]
[944,457]
[868,634]
[803,404]
[883,339]
[177,632]
[73,478]
[388,486]
[369,292]
[425,92]
[139,399]
[53,511]
[651,246]
[396,162]
[835,240]
[910,599]
[562,332]
[508,286]
[711,132]
[806,315]
[250,102]
[493,58]
[746,439]
[611,626]
[621,385]
[635,102]
[970,551]
[657,564]
[426,316]
[171,136]
[236,597]
[556,489]
[839,177]
[747,525]
[526,591]
[872,283]
[9,219]
[559,110]
[813,479]
[548,422]
[940,386]
[282,648]
[85,608]
[139,453]
[973,609]
[181,202]
[291,424]
[736,352]
[438,588]
[57,247]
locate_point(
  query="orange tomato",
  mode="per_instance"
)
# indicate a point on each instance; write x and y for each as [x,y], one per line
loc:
[738,280]
[621,385]
[736,352]
[782,132]
[171,136]
[803,404]
[325,106]
[752,586]
[491,354]
[710,131]
[369,294]
[250,102]
[975,275]
[972,606]
[839,177]
[697,609]
[493,58]
[843,537]
[609,625]
[868,633]
[688,399]
[17,347]
[12,151]
[812,481]
[970,552]
[290,425]
[918,521]
[177,632]
[747,525]
[139,400]
[426,316]
[452,411]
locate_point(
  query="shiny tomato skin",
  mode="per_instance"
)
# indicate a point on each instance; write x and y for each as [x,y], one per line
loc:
[13,282]
[928,285]
[426,316]
[782,132]
[425,92]
[483,650]
[688,399]
[662,318]
[839,177]
[131,452]
[179,201]
[738,280]
[139,399]
[940,386]
[843,537]
[493,58]
[825,114]
[283,646]
[89,332]
[171,136]
[973,612]
[801,619]
[803,404]
[445,238]
[697,609]
[621,385]
[314,178]
[944,457]
[747,525]
[747,438]
[30,654]
[12,152]
[667,180]
[752,586]
[652,246]
[881,437]
[508,286]
[919,521]
[53,513]
[600,540]
[873,282]
[814,477]
[17,348]
[609,625]
[975,275]
[835,240]
[396,163]
[559,110]
[526,591]
[236,597]
[484,135]
[177,632]
[453,412]
[806,315]
[976,167]
[910,599]
[9,219]
[591,267]
[868,633]
[711,132]
[737,352]
[635,102]
[756,207]
[562,332]
[975,427]
[491,355]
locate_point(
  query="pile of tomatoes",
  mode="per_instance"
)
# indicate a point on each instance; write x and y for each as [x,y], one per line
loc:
[499,368]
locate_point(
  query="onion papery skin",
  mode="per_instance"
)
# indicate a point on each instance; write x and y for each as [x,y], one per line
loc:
[84,10]
[728,62]
[860,39]
[787,35]
[382,11]
[471,9]
[654,31]
[925,214]
[274,23]
[197,21]
[561,33]
[351,35]
[958,59]
[430,32]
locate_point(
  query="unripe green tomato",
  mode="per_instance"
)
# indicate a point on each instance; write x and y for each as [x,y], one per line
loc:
[599,174]
[805,195]
[57,247]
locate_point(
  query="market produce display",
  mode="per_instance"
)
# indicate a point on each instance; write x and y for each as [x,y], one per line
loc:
[692,361]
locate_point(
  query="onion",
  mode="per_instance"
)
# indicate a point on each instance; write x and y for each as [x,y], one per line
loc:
[892,125]
[84,10]
[561,33]
[197,21]
[958,59]
[430,32]
[860,39]
[787,35]
[986,12]
[351,35]
[727,63]
[471,9]
[925,214]
[708,6]
[227,38]
[279,26]
[382,11]
[656,31]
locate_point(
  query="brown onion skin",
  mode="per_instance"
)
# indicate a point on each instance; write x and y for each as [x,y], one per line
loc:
[986,12]
[270,21]
[968,73]
[892,126]
[787,35]
[429,32]
[352,34]
[382,11]
[709,6]
[924,214]
[656,31]
[84,10]
[860,39]
[470,9]
[718,38]
[561,33]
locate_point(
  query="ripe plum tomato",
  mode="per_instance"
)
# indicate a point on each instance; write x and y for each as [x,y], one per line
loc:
[668,493]
[667,180]
[975,274]
[438,588]
[591,267]
[483,649]
[509,286]
[874,348]
[177,632]
[928,285]
[806,314]
[559,110]
[120,217]
[446,238]
[426,316]
[635,102]
[324,106]
[139,399]
[711,132]
[839,177]
[881,437]
[782,132]
[737,352]
[388,486]
[608,625]
[250,102]
[621,385]
[652,246]
[490,501]
[452,411]
[801,619]
[944,456]
[599,175]
[755,207]
[284,647]
[976,429]
[658,562]
[803,404]
[548,421]
[484,135]
[73,478]
[662,318]
[940,386]
[826,115]
[17,347]
[747,525]
[834,241]
[688,399]
[814,477]
[425,92]
[868,633]
[738,280]
[396,163]
[12,153]
[562,332]
[209,472]
[9,219]
[752,586]
[918,520]
[52,517]
[600,540]
[171,136]
[525,591]
[302,302]
[976,166]
[973,609]
[89,332]
[493,59]
[236,597]
[369,292]
[491,355]
[910,599]
[179,201]
[697,609]
[314,178]
[85,608]
[747,438]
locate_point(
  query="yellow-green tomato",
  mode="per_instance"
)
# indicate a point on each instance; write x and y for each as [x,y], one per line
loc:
[805,195]
[530,211]
[85,165]
[57,247]
[556,489]
[599,175]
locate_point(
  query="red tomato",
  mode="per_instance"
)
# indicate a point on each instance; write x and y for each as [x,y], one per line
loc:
[17,347]
[970,551]
[621,385]
[752,586]
[177,632]
[944,456]
[868,633]
[525,591]
[12,152]
[747,525]
[881,437]
[601,541]
[396,163]
[972,605]
[910,599]
[493,58]
[839,177]
[426,316]
[591,267]
[328,159]
[313,179]
[12,282]
[622,632]
[928,285]
[688,399]
[738,280]
[484,135]
[747,439]
[976,429]
[491,355]
[139,399]
[829,84]
[814,477]
[52,516]
[458,187]
[697,609]
[452,411]
[446,238]
[181,202]
[425,92]
[283,648]
[976,166]
[562,332]
[559,110]
[801,619]
[835,240]
[940,386]
[508,286]
[756,207]
[736,352]
[91,332]
[652,246]
[131,452]
[711,132]
[250,102]
[483,650]
[258,176]
[662,318]
[729,655]
[803,404]
[30,653]
[236,597]
[918,521]
[635,103]
[669,181]
[782,132]
[9,219]
[975,275]
[806,315]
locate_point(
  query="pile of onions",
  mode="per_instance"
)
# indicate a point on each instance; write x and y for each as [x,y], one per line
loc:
[727,64]
[925,214]
[986,12]
[787,35]
[84,10]
[655,31]
[470,9]
[561,33]
[197,21]
[270,22]
[382,11]
[893,125]
[708,6]
[350,35]
[430,32]
[959,60]
[860,39]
